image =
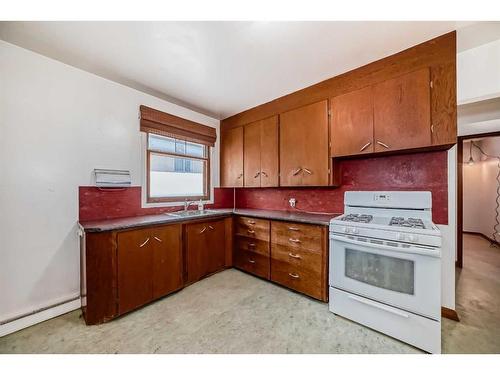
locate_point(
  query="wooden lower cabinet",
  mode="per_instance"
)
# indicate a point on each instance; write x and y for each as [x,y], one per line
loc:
[149,265]
[299,257]
[205,249]
[252,246]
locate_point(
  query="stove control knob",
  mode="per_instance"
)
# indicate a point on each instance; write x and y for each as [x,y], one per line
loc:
[401,237]
[355,230]
[413,238]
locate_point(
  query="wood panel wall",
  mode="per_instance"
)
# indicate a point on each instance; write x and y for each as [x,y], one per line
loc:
[438,54]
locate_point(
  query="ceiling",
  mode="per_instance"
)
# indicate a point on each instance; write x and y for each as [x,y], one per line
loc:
[219,68]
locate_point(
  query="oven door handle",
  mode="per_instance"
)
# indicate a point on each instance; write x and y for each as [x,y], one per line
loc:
[408,250]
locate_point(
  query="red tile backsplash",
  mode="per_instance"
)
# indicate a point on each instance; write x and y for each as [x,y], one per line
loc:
[97,204]
[422,171]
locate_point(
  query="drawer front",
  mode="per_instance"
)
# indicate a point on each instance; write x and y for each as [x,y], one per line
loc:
[252,228]
[253,263]
[298,278]
[298,257]
[253,245]
[297,235]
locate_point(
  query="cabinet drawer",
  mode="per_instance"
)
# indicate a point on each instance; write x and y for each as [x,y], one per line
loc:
[298,278]
[297,235]
[253,263]
[252,245]
[298,257]
[252,228]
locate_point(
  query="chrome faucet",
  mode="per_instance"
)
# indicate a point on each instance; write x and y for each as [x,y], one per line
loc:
[187,204]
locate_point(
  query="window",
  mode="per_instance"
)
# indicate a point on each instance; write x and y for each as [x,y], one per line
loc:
[177,169]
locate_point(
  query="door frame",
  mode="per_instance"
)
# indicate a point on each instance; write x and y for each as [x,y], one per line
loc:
[460,191]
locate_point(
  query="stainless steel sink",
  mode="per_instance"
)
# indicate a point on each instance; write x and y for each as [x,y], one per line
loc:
[191,213]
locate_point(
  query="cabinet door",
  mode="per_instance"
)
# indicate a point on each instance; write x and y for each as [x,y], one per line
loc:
[167,260]
[215,246]
[351,131]
[232,158]
[196,251]
[251,155]
[269,155]
[402,112]
[304,146]
[134,269]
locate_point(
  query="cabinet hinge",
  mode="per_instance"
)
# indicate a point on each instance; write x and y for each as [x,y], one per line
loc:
[431,84]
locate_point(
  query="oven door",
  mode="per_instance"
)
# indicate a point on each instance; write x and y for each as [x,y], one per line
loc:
[406,277]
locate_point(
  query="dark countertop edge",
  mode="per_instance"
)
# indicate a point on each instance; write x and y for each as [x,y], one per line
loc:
[307,218]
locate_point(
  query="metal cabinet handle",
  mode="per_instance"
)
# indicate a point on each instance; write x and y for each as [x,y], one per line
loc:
[294,275]
[365,146]
[203,230]
[144,243]
[264,174]
[250,231]
[294,256]
[307,171]
[251,222]
[157,239]
[294,240]
[251,245]
[382,144]
[251,261]
[211,227]
[239,176]
[256,175]
[293,228]
[296,172]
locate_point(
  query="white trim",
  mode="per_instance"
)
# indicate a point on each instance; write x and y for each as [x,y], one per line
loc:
[27,321]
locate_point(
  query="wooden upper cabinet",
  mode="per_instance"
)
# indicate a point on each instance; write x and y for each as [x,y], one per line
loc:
[167,260]
[304,146]
[351,129]
[231,157]
[402,115]
[261,153]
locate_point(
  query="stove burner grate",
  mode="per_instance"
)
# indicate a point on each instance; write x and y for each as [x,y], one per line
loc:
[407,223]
[358,218]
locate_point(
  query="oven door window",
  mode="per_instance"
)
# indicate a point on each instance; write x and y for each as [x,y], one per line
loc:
[380,270]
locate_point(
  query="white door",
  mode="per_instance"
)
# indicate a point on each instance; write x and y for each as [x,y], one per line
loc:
[402,275]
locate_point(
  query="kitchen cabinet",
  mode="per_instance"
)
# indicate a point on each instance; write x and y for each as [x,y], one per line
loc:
[205,249]
[149,265]
[351,123]
[252,246]
[304,149]
[299,257]
[260,157]
[402,113]
[231,157]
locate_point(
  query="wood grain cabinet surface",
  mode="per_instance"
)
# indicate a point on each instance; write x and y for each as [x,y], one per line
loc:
[252,246]
[231,158]
[205,249]
[304,149]
[299,257]
[260,157]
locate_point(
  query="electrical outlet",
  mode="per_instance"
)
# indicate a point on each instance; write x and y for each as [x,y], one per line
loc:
[292,202]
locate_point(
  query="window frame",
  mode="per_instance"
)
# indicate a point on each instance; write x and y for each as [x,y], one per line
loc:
[206,171]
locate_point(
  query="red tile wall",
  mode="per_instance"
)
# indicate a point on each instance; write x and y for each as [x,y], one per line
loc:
[422,171]
[98,204]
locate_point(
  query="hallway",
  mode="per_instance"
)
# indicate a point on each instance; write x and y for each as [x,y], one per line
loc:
[477,301]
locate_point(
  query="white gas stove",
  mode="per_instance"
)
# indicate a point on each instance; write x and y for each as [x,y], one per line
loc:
[385,266]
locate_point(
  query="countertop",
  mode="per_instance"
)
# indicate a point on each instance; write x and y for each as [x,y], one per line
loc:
[147,220]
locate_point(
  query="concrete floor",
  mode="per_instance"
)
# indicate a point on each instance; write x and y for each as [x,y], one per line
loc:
[232,312]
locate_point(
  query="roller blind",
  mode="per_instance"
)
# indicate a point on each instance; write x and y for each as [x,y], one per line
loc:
[162,123]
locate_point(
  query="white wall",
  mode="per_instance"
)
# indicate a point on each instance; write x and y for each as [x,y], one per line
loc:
[57,124]
[479,186]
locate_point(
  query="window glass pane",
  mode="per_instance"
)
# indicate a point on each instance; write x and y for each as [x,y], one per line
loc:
[195,149]
[380,270]
[172,176]
[159,143]
[180,146]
